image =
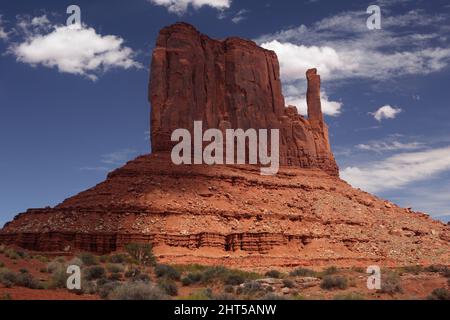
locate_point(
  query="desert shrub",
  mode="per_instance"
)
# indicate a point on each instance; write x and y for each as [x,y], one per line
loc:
[58,278]
[23,270]
[234,279]
[142,253]
[105,288]
[118,258]
[115,276]
[273,274]
[288,283]
[250,288]
[330,282]
[359,269]
[103,258]
[302,272]
[390,283]
[88,259]
[202,294]
[115,268]
[12,254]
[7,278]
[166,271]
[54,265]
[28,281]
[191,278]
[414,269]
[228,289]
[2,248]
[349,296]
[330,270]
[42,259]
[440,294]
[2,264]
[94,272]
[132,273]
[137,291]
[168,286]
[272,296]
[5,297]
[75,262]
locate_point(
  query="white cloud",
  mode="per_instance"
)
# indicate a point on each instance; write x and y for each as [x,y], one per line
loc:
[296,59]
[180,7]
[398,170]
[330,108]
[386,112]
[381,146]
[240,16]
[71,49]
[3,33]
[352,51]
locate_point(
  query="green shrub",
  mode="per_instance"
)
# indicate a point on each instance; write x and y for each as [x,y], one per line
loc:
[168,286]
[118,258]
[94,272]
[191,278]
[273,274]
[115,276]
[115,268]
[23,270]
[390,283]
[440,294]
[349,296]
[234,279]
[7,278]
[250,288]
[203,294]
[105,288]
[137,291]
[88,259]
[302,272]
[415,269]
[132,273]
[5,297]
[28,281]
[142,253]
[166,271]
[12,254]
[228,289]
[330,282]
[330,270]
[288,283]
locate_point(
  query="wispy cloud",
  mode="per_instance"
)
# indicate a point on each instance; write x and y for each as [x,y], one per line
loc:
[72,49]
[395,145]
[240,16]
[118,157]
[3,33]
[180,7]
[398,170]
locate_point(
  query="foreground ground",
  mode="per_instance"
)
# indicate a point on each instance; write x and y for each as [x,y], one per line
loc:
[136,275]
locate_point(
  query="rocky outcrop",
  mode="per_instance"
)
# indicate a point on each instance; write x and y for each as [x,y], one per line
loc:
[231,84]
[234,216]
[231,215]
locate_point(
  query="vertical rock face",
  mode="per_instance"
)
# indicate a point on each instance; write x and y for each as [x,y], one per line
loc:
[231,84]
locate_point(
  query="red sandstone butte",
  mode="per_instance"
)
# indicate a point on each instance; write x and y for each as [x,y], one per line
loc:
[232,84]
[231,215]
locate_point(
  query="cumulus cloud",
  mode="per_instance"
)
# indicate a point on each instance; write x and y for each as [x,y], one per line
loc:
[180,7]
[386,112]
[330,108]
[296,59]
[398,170]
[71,49]
[346,49]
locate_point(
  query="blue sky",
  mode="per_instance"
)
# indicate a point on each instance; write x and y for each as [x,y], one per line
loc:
[73,103]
